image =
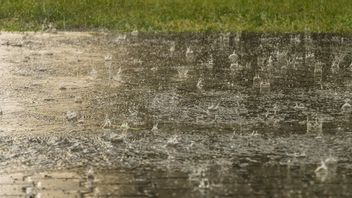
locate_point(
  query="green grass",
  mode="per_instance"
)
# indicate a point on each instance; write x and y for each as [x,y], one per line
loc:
[179,15]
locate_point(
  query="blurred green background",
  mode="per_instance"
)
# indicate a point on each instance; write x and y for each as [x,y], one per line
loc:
[178,15]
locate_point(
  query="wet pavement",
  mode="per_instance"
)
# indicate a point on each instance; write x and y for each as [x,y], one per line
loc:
[182,115]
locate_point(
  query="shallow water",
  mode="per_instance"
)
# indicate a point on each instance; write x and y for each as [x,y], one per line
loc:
[201,180]
[189,115]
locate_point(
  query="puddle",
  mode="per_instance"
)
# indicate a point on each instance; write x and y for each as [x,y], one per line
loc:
[196,115]
[199,180]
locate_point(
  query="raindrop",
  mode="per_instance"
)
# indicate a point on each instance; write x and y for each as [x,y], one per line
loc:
[275,109]
[125,126]
[214,107]
[71,116]
[295,39]
[108,64]
[121,38]
[327,168]
[182,72]
[264,87]
[118,77]
[224,40]
[173,140]
[107,122]
[172,48]
[108,58]
[200,84]
[270,62]
[155,127]
[189,54]
[210,63]
[309,55]
[318,71]
[233,57]
[204,183]
[234,61]
[90,178]
[314,125]
[299,106]
[135,33]
[256,81]
[335,67]
[346,108]
[78,99]
[97,192]
[93,73]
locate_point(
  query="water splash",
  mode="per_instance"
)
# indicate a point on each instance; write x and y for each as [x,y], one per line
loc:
[210,63]
[135,33]
[295,39]
[71,116]
[256,81]
[204,183]
[182,73]
[108,58]
[78,99]
[125,126]
[93,74]
[224,40]
[318,73]
[335,67]
[315,124]
[292,63]
[214,107]
[234,61]
[173,140]
[346,108]
[172,48]
[118,77]
[270,62]
[90,178]
[281,56]
[327,169]
[189,54]
[120,38]
[198,175]
[265,87]
[200,84]
[310,55]
[299,106]
[170,147]
[155,127]
[108,65]
[106,123]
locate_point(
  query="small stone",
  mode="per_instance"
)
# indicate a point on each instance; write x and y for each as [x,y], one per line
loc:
[49,99]
[42,69]
[49,53]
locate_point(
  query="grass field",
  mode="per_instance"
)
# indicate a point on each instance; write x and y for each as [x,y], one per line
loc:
[179,15]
